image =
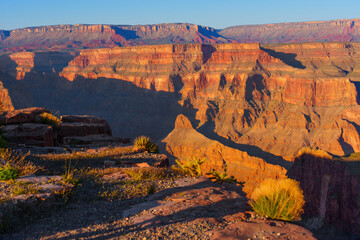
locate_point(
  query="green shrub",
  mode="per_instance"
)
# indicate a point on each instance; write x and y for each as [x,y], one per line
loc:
[192,166]
[8,172]
[48,118]
[145,143]
[16,160]
[221,177]
[278,199]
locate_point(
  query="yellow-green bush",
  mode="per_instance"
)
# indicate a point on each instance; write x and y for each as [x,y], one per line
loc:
[48,118]
[191,166]
[145,143]
[278,199]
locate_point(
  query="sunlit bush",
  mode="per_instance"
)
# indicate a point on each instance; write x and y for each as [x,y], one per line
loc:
[278,199]
[145,143]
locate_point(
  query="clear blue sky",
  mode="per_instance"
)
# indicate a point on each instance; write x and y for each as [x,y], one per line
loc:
[217,14]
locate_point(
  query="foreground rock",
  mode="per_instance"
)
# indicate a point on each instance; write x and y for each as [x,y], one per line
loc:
[23,127]
[32,134]
[187,209]
[26,115]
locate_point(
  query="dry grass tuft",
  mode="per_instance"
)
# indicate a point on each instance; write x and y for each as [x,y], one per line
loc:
[48,118]
[145,143]
[278,199]
[12,161]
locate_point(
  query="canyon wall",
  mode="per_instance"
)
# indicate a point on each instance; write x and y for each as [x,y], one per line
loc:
[270,100]
[82,36]
[331,188]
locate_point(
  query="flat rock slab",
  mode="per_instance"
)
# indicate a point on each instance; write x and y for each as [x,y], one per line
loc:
[262,229]
[117,176]
[39,179]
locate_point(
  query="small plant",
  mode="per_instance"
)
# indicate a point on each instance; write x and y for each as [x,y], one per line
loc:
[140,174]
[69,176]
[145,143]
[192,166]
[48,118]
[278,199]
[8,172]
[25,188]
[12,159]
[221,177]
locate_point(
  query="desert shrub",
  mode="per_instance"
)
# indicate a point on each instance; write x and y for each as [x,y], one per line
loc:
[8,172]
[145,143]
[48,118]
[139,174]
[221,177]
[12,160]
[278,199]
[192,166]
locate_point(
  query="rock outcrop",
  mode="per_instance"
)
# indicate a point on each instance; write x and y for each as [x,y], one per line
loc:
[185,142]
[331,188]
[25,127]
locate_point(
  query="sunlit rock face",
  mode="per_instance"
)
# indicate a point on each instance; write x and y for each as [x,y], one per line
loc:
[277,97]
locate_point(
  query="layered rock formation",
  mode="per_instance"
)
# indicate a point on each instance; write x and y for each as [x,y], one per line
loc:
[185,142]
[80,36]
[65,37]
[278,97]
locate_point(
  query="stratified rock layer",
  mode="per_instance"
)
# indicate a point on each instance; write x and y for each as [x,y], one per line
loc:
[278,97]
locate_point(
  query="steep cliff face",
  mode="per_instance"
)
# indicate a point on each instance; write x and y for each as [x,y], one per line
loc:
[5,100]
[278,97]
[331,188]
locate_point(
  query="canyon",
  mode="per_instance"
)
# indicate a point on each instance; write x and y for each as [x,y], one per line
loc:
[251,105]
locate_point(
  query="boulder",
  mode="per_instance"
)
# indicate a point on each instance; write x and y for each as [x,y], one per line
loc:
[87,119]
[79,129]
[35,134]
[26,115]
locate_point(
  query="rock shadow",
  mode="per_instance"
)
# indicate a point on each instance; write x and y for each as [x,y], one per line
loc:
[287,58]
[207,51]
[127,34]
[52,61]
[208,131]
[130,110]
